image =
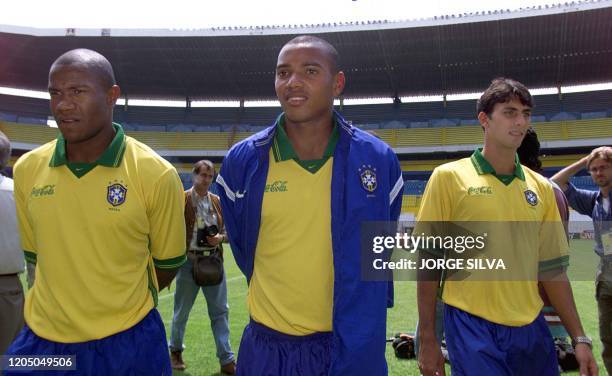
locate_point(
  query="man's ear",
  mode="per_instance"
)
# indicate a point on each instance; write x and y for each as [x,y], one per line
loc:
[339,82]
[113,94]
[483,118]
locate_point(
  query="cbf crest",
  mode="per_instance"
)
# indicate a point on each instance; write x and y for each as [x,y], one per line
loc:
[367,175]
[531,197]
[115,194]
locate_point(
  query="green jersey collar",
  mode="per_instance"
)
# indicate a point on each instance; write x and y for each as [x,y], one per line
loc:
[483,166]
[283,150]
[110,158]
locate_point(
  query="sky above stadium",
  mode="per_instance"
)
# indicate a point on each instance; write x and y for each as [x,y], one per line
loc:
[205,14]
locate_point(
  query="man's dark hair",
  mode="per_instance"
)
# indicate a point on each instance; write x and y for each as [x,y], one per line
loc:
[90,60]
[5,151]
[199,164]
[529,151]
[330,50]
[503,90]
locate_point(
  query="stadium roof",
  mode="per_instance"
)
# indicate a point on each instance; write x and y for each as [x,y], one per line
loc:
[562,45]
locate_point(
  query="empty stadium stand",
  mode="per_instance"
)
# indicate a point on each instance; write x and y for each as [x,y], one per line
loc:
[568,107]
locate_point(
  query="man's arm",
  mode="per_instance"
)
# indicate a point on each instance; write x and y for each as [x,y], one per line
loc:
[563,177]
[559,292]
[431,361]
[164,277]
[435,207]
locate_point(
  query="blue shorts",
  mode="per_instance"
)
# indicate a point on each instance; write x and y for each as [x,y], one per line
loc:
[140,350]
[479,347]
[264,351]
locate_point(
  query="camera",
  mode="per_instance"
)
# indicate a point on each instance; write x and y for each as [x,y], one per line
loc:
[202,233]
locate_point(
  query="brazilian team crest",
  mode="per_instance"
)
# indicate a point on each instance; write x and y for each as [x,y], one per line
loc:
[115,194]
[367,175]
[531,197]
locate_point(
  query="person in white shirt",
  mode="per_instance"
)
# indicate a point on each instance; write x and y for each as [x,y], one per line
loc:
[11,292]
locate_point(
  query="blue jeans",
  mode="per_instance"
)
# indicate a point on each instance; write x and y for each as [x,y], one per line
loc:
[218,312]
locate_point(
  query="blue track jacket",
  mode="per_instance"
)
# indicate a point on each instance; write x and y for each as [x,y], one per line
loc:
[359,312]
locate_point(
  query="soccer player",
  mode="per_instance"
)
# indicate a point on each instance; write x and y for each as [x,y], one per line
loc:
[596,204]
[102,216]
[495,326]
[294,197]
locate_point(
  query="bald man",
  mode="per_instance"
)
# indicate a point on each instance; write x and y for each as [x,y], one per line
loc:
[294,198]
[102,216]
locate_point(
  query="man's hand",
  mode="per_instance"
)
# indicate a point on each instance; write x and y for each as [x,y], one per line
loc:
[431,361]
[214,240]
[584,356]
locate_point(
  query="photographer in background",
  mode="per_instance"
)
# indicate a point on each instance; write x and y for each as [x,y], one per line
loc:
[203,269]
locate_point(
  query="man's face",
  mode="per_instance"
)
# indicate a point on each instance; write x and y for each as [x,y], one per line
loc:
[80,105]
[601,172]
[305,83]
[507,125]
[204,178]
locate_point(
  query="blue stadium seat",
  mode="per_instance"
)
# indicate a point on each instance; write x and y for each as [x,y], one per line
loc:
[394,124]
[368,126]
[31,120]
[151,128]
[207,128]
[419,124]
[180,128]
[593,115]
[469,122]
[442,123]
[561,116]
[257,128]
[538,118]
[8,117]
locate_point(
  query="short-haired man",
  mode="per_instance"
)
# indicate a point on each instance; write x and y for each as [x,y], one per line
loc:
[495,327]
[596,204]
[11,256]
[102,216]
[293,198]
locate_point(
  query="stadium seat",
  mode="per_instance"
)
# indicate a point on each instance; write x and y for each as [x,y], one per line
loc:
[207,128]
[442,123]
[180,128]
[469,122]
[31,120]
[394,124]
[562,116]
[368,126]
[419,124]
[538,118]
[593,115]
[8,117]
[151,128]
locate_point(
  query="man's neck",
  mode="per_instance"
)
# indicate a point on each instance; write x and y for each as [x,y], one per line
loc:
[309,140]
[92,149]
[200,191]
[502,160]
[605,191]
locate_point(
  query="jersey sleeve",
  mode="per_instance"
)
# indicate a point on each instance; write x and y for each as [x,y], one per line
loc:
[435,208]
[167,222]
[26,234]
[554,249]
